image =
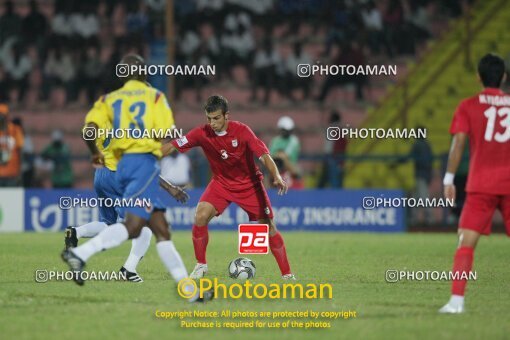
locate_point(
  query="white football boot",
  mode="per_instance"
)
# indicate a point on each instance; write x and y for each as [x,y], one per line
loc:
[289,277]
[199,271]
[454,306]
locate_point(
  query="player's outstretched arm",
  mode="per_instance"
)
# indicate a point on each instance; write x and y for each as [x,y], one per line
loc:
[97,157]
[288,165]
[167,149]
[454,158]
[177,192]
[278,181]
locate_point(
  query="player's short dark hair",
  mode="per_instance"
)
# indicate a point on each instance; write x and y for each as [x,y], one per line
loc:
[134,59]
[215,103]
[491,69]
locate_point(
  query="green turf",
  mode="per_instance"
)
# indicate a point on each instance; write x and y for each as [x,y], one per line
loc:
[354,264]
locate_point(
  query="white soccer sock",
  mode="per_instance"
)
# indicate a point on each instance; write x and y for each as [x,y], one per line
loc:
[456,300]
[139,247]
[173,262]
[110,237]
[90,229]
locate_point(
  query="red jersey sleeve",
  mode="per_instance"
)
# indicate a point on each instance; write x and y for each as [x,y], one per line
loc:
[190,140]
[254,143]
[460,122]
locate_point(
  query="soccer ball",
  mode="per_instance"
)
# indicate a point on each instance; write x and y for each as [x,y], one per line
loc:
[241,268]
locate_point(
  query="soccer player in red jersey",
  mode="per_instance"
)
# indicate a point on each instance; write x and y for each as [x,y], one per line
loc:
[484,119]
[230,147]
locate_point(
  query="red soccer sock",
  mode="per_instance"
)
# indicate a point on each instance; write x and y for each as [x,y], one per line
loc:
[280,254]
[463,262]
[200,240]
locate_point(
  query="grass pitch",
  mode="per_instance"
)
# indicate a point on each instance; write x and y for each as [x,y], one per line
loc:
[355,264]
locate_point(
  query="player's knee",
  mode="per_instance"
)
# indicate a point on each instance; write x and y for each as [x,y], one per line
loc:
[271,224]
[159,226]
[272,229]
[134,226]
[202,217]
[468,238]
[162,235]
[133,232]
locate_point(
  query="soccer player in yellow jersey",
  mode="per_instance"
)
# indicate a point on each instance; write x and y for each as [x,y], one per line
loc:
[136,113]
[106,187]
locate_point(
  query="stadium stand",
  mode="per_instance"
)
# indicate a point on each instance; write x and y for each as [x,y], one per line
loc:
[71,49]
[429,94]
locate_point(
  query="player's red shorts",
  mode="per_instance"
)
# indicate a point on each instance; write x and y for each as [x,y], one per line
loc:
[254,200]
[479,209]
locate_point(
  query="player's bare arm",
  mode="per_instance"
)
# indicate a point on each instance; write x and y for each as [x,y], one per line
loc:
[167,149]
[270,165]
[454,158]
[288,164]
[176,191]
[97,156]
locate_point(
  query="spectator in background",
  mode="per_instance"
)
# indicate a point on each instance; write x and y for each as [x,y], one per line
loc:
[237,18]
[10,23]
[11,143]
[263,13]
[349,54]
[184,11]
[137,21]
[60,71]
[159,5]
[85,24]
[59,154]
[110,81]
[393,19]
[372,20]
[35,26]
[176,168]
[188,52]
[292,80]
[338,26]
[286,141]
[158,56]
[190,43]
[422,157]
[17,66]
[27,156]
[237,47]
[91,70]
[62,25]
[417,22]
[211,11]
[332,172]
[199,81]
[267,60]
[214,54]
